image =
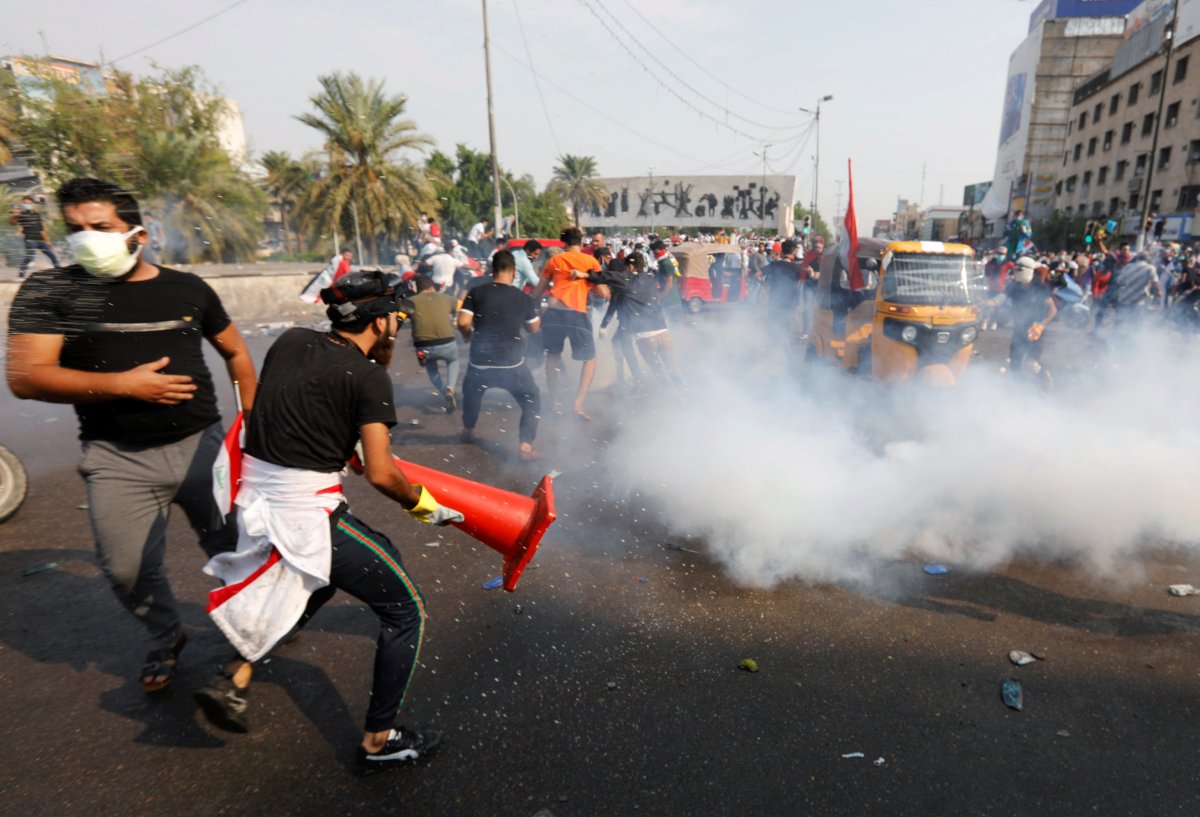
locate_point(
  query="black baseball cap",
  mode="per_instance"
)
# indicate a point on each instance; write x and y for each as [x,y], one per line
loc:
[361,296]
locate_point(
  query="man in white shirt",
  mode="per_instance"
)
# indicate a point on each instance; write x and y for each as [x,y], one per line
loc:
[477,233]
[442,267]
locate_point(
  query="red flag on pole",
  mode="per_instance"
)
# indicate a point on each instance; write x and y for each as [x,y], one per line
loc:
[848,245]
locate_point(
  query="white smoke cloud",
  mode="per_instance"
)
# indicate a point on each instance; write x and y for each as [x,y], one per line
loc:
[813,475]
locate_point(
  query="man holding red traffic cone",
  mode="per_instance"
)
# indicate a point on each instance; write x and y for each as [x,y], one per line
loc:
[320,395]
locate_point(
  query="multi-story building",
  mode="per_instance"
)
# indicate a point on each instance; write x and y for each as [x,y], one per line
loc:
[1134,137]
[1068,41]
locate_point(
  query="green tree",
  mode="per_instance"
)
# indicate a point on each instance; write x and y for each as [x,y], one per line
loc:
[158,136]
[10,113]
[575,182]
[463,184]
[209,209]
[365,142]
[819,227]
[286,182]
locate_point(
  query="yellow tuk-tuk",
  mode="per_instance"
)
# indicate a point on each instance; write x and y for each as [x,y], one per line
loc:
[915,317]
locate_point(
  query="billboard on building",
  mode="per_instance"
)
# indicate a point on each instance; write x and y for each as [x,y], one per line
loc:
[1187,23]
[1059,9]
[33,74]
[973,194]
[691,202]
[1147,13]
[1014,126]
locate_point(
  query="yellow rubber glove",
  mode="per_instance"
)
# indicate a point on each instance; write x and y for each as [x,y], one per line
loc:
[427,511]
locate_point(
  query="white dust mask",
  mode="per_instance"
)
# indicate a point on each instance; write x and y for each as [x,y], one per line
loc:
[105,255]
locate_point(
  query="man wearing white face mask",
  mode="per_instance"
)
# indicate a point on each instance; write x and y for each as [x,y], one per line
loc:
[121,339]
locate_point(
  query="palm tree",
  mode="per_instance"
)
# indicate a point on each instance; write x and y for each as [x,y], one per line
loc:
[365,136]
[210,209]
[285,183]
[10,112]
[575,181]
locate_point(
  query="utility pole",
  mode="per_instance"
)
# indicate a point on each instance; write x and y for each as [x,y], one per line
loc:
[357,234]
[762,193]
[650,173]
[497,209]
[1162,96]
[921,200]
[817,159]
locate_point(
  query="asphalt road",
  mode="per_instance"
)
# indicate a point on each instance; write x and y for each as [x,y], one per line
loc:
[608,684]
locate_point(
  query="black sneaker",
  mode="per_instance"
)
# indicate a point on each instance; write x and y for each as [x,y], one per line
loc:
[451,403]
[224,705]
[402,747]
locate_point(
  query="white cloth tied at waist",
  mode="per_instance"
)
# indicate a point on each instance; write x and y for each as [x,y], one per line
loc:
[282,557]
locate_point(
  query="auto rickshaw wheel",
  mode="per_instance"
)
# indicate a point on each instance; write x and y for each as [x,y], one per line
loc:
[694,306]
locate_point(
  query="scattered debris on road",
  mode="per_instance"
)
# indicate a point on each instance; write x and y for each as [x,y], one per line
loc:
[936,569]
[46,568]
[1021,658]
[1010,693]
[748,664]
[493,584]
[1183,590]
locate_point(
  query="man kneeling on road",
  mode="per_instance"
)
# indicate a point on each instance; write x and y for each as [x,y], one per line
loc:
[319,395]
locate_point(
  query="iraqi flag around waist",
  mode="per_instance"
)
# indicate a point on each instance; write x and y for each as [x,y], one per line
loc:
[227,467]
[848,244]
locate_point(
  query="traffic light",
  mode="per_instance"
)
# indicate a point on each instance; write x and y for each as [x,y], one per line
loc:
[1089,232]
[807,225]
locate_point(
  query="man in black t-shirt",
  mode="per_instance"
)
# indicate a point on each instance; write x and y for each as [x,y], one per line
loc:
[121,339]
[496,313]
[782,278]
[321,394]
[33,231]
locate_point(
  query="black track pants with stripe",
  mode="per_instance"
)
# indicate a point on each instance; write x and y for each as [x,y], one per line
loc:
[367,566]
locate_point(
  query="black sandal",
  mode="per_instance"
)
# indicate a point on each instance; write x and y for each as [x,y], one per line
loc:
[161,664]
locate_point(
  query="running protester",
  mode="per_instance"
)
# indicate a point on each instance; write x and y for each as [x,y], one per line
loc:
[567,317]
[33,231]
[322,393]
[495,313]
[637,296]
[432,316]
[122,339]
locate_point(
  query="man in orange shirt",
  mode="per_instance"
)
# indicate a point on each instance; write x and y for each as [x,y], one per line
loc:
[567,315]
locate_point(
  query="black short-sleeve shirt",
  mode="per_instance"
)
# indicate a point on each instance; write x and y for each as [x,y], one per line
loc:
[31,226]
[113,326]
[500,313]
[314,393]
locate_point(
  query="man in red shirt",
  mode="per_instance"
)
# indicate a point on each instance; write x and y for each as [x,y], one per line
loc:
[343,266]
[567,315]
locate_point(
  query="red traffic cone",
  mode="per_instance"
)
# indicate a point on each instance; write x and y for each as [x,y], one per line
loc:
[506,522]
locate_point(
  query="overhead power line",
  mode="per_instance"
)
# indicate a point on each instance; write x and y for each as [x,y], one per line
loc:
[671,42]
[180,32]
[650,52]
[536,84]
[666,86]
[608,117]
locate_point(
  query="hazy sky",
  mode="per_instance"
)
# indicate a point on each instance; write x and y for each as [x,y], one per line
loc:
[913,84]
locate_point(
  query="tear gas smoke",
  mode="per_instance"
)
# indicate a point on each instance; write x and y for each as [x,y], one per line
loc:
[819,476]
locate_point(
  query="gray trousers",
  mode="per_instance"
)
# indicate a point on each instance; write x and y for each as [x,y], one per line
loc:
[130,491]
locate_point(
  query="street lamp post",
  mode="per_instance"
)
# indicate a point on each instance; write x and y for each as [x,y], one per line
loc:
[516,209]
[817,161]
[497,212]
